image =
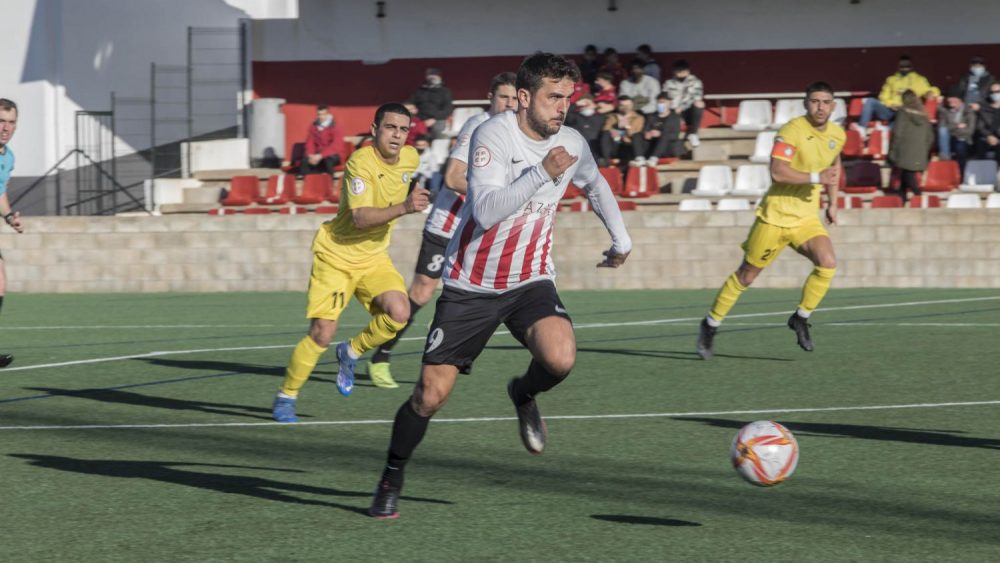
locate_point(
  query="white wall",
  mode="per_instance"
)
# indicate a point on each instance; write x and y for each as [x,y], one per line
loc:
[60,56]
[349,30]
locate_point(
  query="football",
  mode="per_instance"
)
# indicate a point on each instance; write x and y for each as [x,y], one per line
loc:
[764,453]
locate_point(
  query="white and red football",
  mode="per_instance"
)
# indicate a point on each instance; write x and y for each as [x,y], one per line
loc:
[764,453]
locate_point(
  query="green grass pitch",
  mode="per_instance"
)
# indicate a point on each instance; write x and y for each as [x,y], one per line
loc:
[137,427]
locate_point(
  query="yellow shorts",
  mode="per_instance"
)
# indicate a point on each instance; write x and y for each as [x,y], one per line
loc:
[766,241]
[332,283]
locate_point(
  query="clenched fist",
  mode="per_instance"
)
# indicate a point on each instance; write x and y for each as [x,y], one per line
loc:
[557,162]
[418,200]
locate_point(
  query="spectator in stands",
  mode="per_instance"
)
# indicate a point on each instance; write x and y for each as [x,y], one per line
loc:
[622,137]
[686,94]
[890,97]
[589,66]
[613,66]
[662,132]
[590,124]
[429,163]
[605,91]
[641,87]
[580,88]
[910,147]
[433,101]
[988,125]
[956,125]
[976,84]
[649,65]
[417,125]
[324,144]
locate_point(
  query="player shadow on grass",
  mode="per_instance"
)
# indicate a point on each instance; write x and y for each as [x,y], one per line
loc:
[232,368]
[664,354]
[906,435]
[138,399]
[650,520]
[168,472]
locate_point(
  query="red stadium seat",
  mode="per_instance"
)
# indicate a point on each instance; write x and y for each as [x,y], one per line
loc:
[854,146]
[925,201]
[316,188]
[327,209]
[855,107]
[572,192]
[257,211]
[614,177]
[293,210]
[243,190]
[931,106]
[878,143]
[348,149]
[861,177]
[886,201]
[941,176]
[850,202]
[641,181]
[222,211]
[280,190]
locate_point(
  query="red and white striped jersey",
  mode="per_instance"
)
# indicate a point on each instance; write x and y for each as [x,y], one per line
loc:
[444,216]
[504,239]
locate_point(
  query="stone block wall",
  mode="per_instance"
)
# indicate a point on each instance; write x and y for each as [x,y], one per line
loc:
[875,248]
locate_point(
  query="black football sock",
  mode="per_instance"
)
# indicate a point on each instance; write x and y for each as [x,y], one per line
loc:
[384,351]
[536,380]
[407,431]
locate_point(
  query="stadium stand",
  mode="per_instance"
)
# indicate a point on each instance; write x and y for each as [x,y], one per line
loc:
[279,191]
[752,180]
[762,147]
[993,201]
[754,115]
[787,110]
[940,176]
[243,190]
[887,202]
[316,188]
[850,202]
[733,204]
[695,205]
[641,181]
[862,177]
[925,201]
[964,201]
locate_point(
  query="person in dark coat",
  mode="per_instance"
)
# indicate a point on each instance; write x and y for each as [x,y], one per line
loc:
[910,147]
[434,102]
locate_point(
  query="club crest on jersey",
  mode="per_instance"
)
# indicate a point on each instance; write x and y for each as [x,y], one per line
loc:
[833,144]
[406,177]
[481,157]
[463,140]
[357,186]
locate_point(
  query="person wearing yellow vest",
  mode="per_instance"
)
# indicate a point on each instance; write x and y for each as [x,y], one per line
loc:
[890,98]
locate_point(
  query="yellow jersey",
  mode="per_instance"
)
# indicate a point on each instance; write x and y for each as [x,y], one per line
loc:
[808,150]
[368,182]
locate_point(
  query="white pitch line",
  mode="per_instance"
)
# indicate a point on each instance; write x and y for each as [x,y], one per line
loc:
[578,327]
[507,418]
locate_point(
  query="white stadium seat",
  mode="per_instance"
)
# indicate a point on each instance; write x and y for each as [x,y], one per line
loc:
[964,201]
[754,115]
[459,116]
[695,205]
[762,147]
[752,180]
[733,204]
[839,111]
[980,176]
[787,110]
[993,201]
[714,180]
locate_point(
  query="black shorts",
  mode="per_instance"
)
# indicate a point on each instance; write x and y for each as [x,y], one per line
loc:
[430,262]
[464,321]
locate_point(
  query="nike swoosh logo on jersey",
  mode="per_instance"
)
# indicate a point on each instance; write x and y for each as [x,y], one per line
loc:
[560,310]
[516,161]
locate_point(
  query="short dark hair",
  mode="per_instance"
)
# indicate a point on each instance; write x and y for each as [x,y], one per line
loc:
[545,65]
[503,79]
[819,86]
[680,64]
[624,98]
[605,75]
[645,48]
[322,107]
[590,49]
[663,96]
[905,58]
[977,60]
[391,107]
[636,63]
[611,51]
[421,137]
[6,104]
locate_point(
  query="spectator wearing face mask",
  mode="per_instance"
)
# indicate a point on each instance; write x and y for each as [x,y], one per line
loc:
[434,102]
[976,84]
[589,123]
[890,98]
[622,137]
[641,87]
[956,125]
[686,93]
[988,125]
[662,132]
[324,144]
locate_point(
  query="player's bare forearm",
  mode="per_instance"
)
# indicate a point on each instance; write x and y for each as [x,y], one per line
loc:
[13,219]
[782,172]
[369,217]
[455,176]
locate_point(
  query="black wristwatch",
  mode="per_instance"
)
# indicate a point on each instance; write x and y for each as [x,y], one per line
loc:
[8,217]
